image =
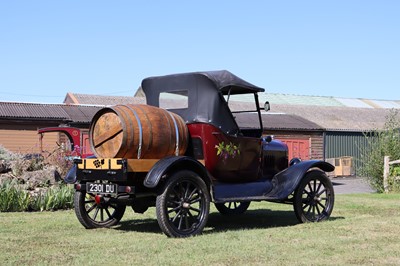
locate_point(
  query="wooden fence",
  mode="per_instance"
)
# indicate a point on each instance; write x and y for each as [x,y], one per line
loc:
[386,164]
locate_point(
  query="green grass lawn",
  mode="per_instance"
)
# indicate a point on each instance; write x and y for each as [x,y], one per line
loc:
[363,229]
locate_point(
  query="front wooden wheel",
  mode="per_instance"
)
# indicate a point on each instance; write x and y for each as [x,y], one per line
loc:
[314,198]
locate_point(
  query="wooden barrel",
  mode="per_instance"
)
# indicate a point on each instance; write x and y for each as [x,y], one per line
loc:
[137,131]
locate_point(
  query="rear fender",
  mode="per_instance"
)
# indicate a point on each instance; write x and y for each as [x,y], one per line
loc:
[70,177]
[286,181]
[169,164]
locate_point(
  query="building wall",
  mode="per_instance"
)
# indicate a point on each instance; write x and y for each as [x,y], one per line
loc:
[346,144]
[314,139]
[23,138]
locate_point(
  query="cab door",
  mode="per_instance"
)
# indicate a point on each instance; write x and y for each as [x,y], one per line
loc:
[238,159]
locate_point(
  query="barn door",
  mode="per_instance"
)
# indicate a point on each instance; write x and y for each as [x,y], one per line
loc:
[299,148]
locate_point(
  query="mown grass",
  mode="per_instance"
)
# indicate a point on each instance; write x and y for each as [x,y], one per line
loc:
[363,229]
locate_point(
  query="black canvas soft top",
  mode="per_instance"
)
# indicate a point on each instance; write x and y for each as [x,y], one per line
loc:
[204,91]
[225,80]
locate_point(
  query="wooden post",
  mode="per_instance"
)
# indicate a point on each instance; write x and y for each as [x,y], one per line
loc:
[386,173]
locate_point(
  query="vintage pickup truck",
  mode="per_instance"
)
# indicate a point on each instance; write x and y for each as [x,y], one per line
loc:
[184,150]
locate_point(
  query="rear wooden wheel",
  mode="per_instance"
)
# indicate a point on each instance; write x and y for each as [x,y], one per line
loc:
[96,215]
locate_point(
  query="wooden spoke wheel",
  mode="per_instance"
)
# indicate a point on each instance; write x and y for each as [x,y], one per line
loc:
[97,212]
[314,198]
[183,205]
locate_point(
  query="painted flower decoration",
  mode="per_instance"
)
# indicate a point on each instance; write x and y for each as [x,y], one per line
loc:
[227,150]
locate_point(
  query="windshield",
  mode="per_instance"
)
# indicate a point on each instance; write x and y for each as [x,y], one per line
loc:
[245,110]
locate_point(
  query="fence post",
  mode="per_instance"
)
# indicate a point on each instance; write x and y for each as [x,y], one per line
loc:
[386,173]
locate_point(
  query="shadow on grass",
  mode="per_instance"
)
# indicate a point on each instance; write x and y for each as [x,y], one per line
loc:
[139,225]
[251,219]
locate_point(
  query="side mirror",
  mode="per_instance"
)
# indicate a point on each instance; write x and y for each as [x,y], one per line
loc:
[267,106]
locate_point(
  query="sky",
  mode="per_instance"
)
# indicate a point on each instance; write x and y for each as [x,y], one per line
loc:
[339,48]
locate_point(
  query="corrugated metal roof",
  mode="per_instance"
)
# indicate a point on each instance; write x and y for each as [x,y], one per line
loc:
[273,98]
[354,103]
[104,100]
[32,110]
[362,116]
[284,121]
[385,104]
[276,122]
[290,99]
[81,114]
[276,98]
[338,118]
[62,112]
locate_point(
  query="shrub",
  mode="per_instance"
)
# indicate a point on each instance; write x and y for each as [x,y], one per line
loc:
[35,162]
[54,198]
[382,143]
[5,154]
[31,187]
[61,159]
[13,197]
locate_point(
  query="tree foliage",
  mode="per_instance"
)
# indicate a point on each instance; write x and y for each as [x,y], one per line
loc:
[385,142]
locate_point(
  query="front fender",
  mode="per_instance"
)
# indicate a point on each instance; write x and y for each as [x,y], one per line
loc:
[168,164]
[286,181]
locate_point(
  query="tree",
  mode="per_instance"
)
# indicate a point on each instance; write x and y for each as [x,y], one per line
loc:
[385,142]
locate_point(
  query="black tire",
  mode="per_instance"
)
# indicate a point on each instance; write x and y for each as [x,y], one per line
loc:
[233,207]
[183,205]
[314,198]
[92,215]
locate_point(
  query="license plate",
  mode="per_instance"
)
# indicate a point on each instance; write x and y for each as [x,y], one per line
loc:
[101,188]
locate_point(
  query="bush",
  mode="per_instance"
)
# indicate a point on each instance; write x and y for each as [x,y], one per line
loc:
[54,198]
[382,143]
[61,159]
[12,197]
[30,181]
[5,154]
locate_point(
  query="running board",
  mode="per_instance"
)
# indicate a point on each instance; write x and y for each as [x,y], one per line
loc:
[225,192]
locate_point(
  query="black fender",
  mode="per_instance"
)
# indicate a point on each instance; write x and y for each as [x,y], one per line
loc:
[286,181]
[70,177]
[169,164]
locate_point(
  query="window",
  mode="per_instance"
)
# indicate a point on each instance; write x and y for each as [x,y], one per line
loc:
[174,99]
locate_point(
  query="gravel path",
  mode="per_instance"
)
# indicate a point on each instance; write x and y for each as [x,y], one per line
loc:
[348,185]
